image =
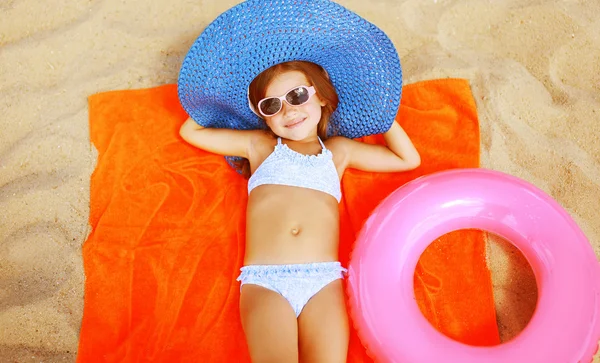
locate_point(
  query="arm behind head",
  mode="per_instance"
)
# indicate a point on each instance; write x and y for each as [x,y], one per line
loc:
[219,141]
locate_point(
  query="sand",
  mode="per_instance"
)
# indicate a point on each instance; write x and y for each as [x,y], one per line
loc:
[534,67]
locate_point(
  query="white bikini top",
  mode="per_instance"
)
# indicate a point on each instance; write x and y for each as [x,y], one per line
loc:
[285,166]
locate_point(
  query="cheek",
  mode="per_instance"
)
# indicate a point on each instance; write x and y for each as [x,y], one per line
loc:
[271,121]
[316,111]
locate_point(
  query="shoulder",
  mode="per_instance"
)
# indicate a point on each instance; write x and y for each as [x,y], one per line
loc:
[337,142]
[261,137]
[340,148]
[341,144]
[261,144]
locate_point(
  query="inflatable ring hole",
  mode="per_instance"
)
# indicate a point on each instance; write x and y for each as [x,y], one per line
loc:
[515,289]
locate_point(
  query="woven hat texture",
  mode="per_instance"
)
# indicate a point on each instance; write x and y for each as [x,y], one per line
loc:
[360,59]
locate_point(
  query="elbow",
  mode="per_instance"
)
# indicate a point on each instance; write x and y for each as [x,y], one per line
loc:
[416,162]
[187,129]
[412,163]
[183,131]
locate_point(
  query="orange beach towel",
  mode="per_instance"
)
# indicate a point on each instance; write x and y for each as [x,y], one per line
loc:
[168,219]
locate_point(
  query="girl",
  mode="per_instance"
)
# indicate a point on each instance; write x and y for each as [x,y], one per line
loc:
[292,303]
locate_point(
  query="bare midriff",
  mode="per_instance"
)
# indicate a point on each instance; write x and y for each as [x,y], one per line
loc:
[287,225]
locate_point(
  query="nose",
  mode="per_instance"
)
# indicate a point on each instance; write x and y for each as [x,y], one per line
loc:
[286,107]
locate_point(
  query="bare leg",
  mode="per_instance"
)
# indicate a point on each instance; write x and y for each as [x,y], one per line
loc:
[269,324]
[323,326]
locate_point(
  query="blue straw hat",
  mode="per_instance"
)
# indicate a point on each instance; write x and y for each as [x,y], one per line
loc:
[360,59]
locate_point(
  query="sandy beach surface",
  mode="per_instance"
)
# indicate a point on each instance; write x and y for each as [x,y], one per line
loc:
[534,67]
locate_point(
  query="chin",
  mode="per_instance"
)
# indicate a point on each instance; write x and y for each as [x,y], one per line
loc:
[298,134]
[295,136]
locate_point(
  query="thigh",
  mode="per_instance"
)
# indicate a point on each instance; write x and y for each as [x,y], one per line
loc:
[270,325]
[323,329]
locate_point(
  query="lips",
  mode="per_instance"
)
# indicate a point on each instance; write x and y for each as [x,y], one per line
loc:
[295,123]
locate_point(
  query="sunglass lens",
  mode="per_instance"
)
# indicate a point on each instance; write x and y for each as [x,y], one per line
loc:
[297,96]
[270,106]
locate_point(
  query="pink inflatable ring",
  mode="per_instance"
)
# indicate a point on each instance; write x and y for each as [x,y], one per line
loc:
[565,326]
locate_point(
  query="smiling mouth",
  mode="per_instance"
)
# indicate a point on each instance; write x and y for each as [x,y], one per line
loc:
[295,123]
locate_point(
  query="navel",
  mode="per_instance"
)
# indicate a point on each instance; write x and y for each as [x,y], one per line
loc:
[295,231]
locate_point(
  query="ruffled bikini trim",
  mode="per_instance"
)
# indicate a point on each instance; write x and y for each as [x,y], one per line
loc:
[323,156]
[301,270]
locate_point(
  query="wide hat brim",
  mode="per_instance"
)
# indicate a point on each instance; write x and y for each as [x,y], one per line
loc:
[360,59]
